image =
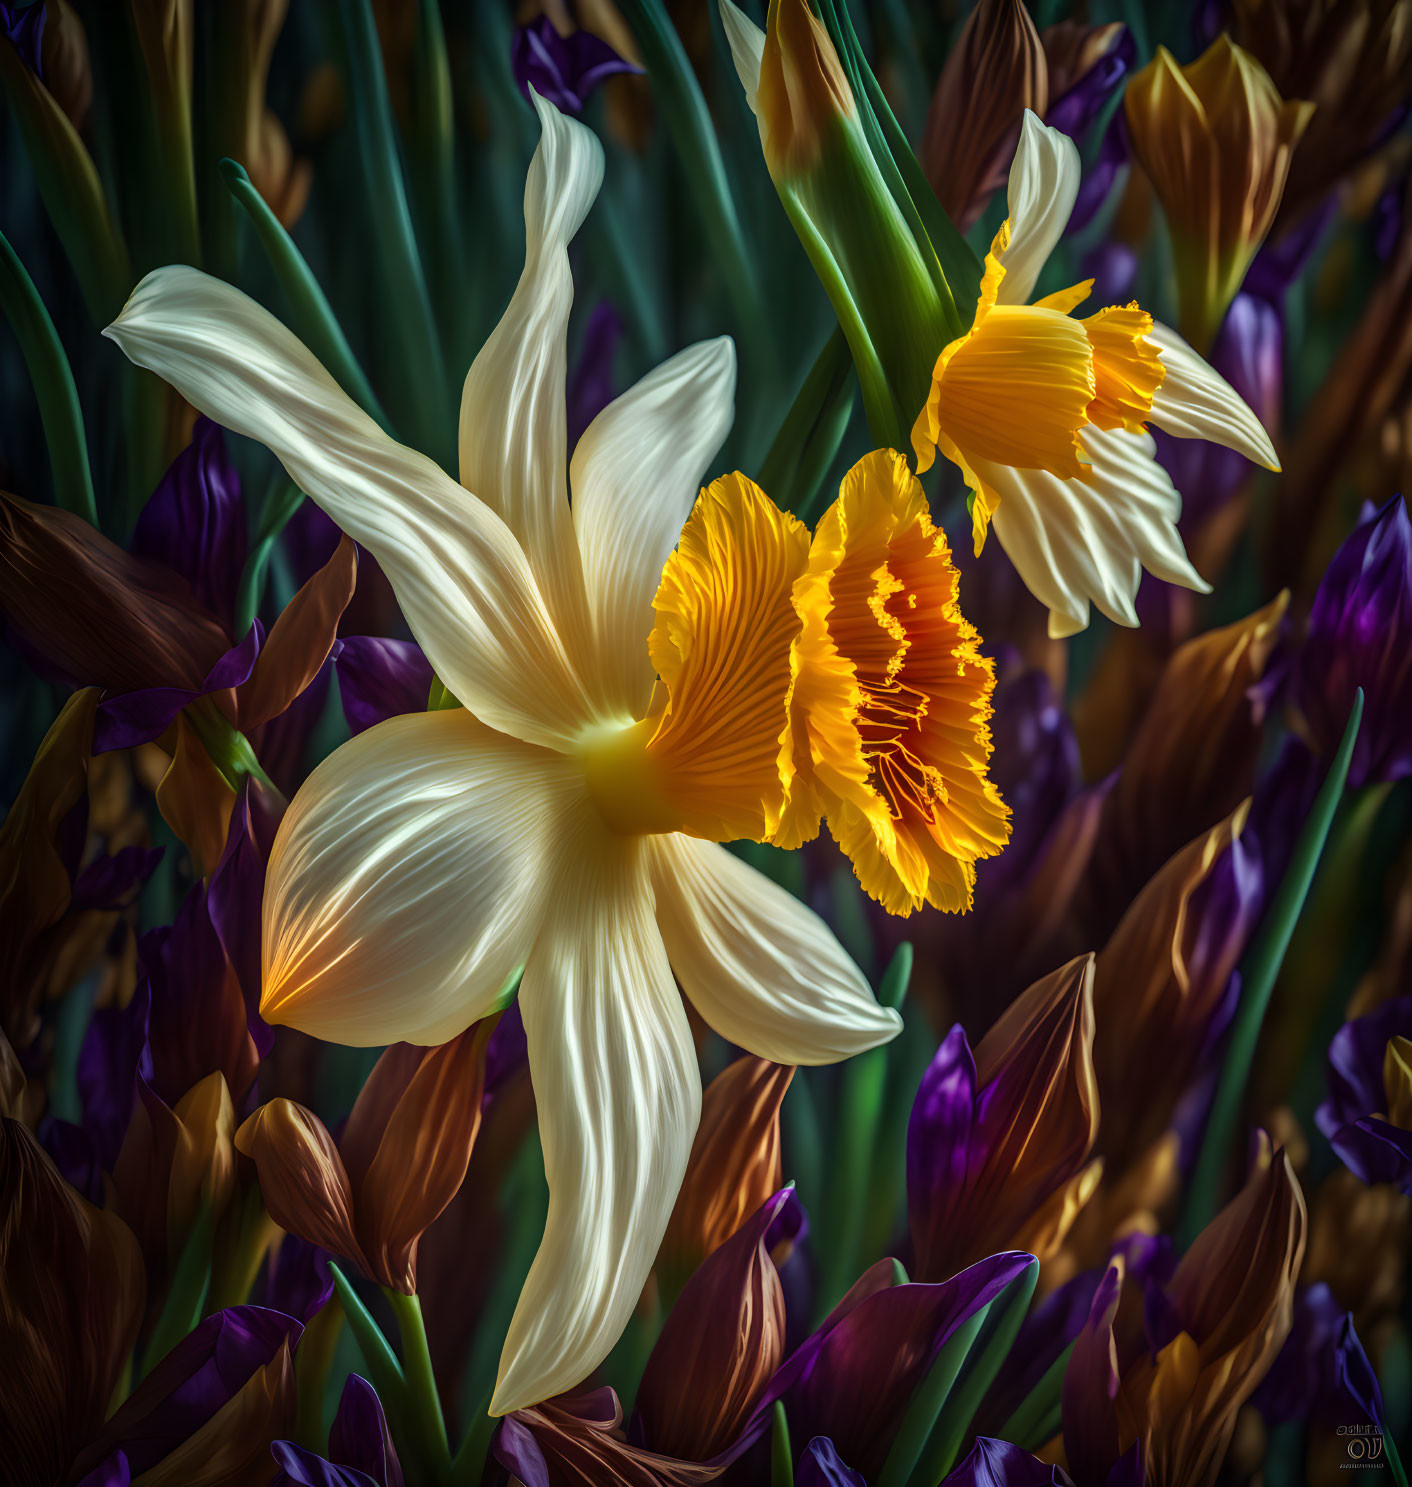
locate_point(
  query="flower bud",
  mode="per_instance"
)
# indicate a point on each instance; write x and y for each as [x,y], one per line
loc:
[1215,139]
[721,1345]
[994,72]
[997,1145]
[1172,1388]
[64,60]
[1360,635]
[203,1164]
[733,1168]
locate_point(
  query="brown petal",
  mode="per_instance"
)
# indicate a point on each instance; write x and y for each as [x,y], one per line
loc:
[203,1164]
[302,1177]
[95,612]
[12,1080]
[1234,1291]
[1153,1016]
[301,639]
[195,798]
[34,882]
[1191,761]
[993,74]
[71,1301]
[733,1168]
[1215,139]
[719,1348]
[1072,50]
[580,1439]
[408,1143]
[1352,59]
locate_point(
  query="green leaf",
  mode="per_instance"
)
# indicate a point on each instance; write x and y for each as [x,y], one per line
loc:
[1258,972]
[926,1404]
[1005,1315]
[313,316]
[186,1297]
[1037,1417]
[798,461]
[54,386]
[387,1376]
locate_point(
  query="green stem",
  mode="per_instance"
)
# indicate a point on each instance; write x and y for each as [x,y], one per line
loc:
[1258,972]
[781,1456]
[469,1465]
[313,316]
[54,386]
[226,746]
[423,1401]
[282,500]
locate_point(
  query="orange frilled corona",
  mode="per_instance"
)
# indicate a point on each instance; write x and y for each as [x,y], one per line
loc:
[890,731]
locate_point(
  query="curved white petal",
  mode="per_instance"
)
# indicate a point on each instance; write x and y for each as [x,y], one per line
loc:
[1044,182]
[458,573]
[407,879]
[760,967]
[618,1093]
[747,44]
[1076,541]
[513,432]
[1196,402]
[635,475]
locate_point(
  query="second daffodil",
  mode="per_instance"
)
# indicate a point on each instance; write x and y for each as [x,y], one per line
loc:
[567,817]
[1046,414]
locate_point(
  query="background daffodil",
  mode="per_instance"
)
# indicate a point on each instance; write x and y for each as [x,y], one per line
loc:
[1046,415]
[430,857]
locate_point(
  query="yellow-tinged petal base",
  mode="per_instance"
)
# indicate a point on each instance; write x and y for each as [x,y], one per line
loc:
[898,699]
[706,759]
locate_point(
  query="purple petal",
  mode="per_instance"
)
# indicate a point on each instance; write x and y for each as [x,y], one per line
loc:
[113,882]
[591,384]
[1072,112]
[854,1378]
[296,1279]
[75,1155]
[994,1463]
[360,1438]
[380,679]
[114,1472]
[1360,635]
[194,522]
[822,1466]
[305,1469]
[939,1137]
[1355,1374]
[24,25]
[1302,1375]
[134,718]
[516,1449]
[506,1053]
[563,69]
[206,1370]
[112,1055]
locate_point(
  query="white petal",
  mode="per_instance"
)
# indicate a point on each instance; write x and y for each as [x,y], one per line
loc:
[1075,541]
[1196,402]
[747,44]
[513,423]
[618,1093]
[1044,182]
[635,475]
[760,967]
[407,879]
[459,575]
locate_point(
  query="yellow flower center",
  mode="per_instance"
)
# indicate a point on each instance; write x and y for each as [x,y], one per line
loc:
[705,759]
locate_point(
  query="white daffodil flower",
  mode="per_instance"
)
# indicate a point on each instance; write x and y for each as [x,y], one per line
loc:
[543,823]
